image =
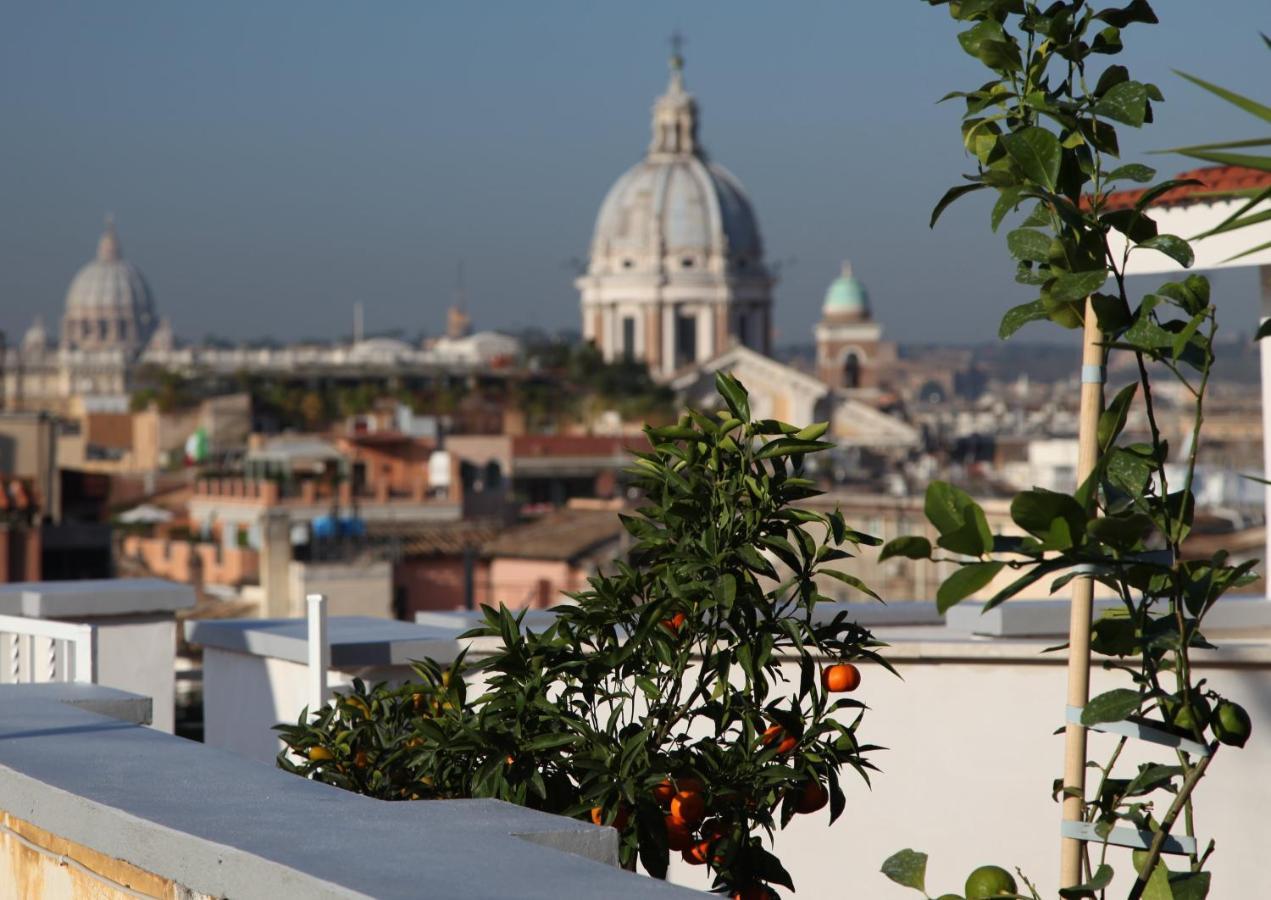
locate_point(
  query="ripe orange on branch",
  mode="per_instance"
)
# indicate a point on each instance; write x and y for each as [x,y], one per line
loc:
[787,741]
[689,807]
[841,678]
[678,835]
[812,797]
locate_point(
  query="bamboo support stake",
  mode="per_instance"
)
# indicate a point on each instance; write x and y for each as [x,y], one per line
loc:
[1092,365]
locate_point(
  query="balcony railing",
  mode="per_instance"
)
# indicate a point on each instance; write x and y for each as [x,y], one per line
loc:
[37,651]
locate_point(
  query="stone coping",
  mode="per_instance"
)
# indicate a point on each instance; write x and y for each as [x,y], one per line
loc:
[94,597]
[221,825]
[915,633]
[356,641]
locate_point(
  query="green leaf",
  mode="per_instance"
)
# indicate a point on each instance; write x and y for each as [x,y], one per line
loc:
[1189,885]
[1057,519]
[959,519]
[1077,285]
[1026,244]
[965,582]
[1018,316]
[1263,330]
[907,868]
[851,581]
[1037,153]
[1132,172]
[1113,418]
[734,395]
[909,546]
[1111,706]
[1174,247]
[1125,102]
[1009,200]
[1101,879]
[950,195]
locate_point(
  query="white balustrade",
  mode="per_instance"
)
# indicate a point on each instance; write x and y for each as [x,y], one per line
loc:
[40,651]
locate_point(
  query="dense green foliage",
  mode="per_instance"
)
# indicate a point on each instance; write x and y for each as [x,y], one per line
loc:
[667,669]
[1042,132]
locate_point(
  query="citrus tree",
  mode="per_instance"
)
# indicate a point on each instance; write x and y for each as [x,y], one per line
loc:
[656,702]
[1042,132]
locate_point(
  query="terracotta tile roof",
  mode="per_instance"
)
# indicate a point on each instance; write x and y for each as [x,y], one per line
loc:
[1215,179]
[438,540]
[566,535]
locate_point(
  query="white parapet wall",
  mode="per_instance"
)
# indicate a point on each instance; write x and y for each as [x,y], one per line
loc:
[93,805]
[968,726]
[255,671]
[135,619]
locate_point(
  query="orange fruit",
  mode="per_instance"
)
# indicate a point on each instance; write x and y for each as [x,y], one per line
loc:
[788,741]
[317,754]
[812,797]
[619,821]
[697,854]
[675,623]
[663,791]
[841,678]
[678,835]
[360,759]
[687,783]
[688,806]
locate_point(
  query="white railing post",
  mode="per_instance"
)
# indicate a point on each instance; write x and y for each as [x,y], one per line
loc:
[83,660]
[319,651]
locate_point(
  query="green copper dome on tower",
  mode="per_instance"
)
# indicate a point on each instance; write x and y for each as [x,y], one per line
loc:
[846,296]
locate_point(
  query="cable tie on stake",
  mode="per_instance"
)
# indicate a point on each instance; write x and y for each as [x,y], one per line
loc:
[1094,374]
[1181,845]
[1141,731]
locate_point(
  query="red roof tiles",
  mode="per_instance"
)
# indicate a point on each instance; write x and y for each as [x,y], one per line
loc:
[1214,179]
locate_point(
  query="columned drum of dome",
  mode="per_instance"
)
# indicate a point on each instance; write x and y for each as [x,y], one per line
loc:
[676,272]
[108,305]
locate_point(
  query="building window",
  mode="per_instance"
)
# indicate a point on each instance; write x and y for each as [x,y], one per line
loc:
[626,263]
[852,371]
[628,338]
[685,340]
[687,262]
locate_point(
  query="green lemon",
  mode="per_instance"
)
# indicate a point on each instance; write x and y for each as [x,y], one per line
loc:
[949,897]
[1231,724]
[989,881]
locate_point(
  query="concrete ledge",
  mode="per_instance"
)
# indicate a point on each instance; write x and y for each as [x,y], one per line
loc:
[94,597]
[356,641]
[103,701]
[220,825]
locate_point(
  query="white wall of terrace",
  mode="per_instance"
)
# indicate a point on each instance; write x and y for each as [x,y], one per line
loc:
[135,620]
[91,804]
[969,726]
[255,670]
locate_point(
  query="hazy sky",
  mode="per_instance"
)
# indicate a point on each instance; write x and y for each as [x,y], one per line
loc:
[270,164]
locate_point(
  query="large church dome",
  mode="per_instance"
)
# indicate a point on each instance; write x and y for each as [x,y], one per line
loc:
[676,210]
[676,273]
[109,305]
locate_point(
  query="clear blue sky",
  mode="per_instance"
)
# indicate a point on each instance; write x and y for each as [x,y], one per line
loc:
[270,164]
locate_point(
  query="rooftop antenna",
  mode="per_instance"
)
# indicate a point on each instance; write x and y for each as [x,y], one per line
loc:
[357,322]
[461,294]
